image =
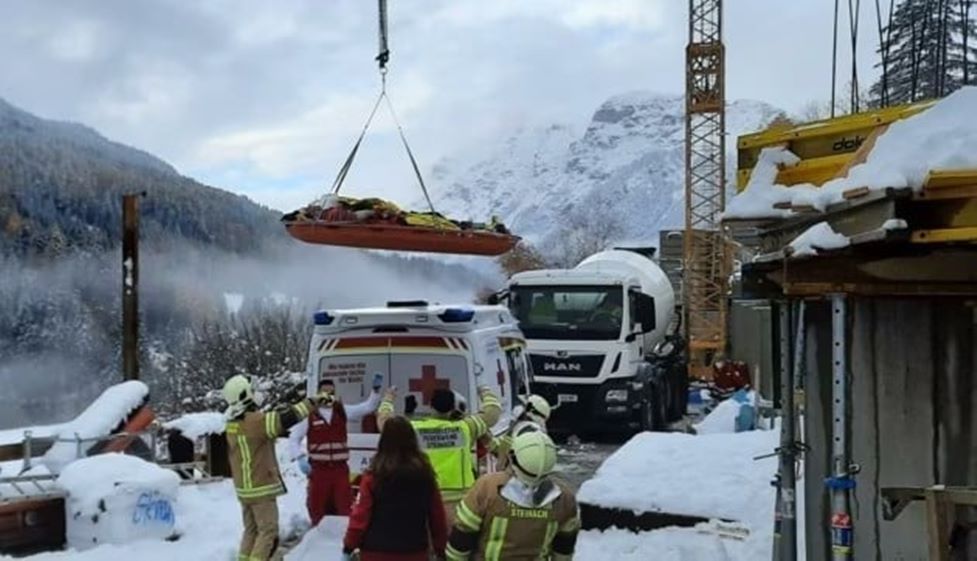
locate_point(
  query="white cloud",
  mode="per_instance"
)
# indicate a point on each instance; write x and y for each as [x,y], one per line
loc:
[267,98]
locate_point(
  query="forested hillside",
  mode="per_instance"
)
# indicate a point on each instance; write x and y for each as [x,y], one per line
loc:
[60,185]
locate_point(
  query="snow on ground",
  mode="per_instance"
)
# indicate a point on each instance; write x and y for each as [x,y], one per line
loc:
[196,425]
[712,476]
[98,420]
[722,419]
[941,137]
[208,519]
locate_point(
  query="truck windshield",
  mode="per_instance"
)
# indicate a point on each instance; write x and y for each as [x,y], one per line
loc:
[568,312]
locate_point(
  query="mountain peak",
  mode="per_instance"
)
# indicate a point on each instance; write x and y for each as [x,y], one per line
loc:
[626,171]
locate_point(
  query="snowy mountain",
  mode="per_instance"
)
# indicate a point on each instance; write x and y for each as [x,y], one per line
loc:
[625,173]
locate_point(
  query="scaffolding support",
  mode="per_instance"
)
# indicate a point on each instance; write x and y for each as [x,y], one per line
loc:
[842,483]
[785,526]
[706,255]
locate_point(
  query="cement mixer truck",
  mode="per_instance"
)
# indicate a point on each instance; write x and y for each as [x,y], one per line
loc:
[599,343]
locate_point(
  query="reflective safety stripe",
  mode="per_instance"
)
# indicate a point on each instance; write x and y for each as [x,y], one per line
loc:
[386,407]
[327,446]
[571,525]
[467,518]
[493,549]
[272,424]
[544,552]
[337,457]
[245,451]
[258,492]
[302,409]
[454,555]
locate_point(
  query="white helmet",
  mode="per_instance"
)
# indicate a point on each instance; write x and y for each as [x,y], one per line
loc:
[537,409]
[533,457]
[238,394]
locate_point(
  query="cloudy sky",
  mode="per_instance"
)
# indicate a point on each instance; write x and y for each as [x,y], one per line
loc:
[265,97]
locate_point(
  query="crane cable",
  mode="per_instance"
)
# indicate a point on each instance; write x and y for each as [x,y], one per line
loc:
[854,15]
[382,58]
[834,62]
[885,39]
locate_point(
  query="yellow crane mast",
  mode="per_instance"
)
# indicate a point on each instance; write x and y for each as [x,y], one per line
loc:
[706,254]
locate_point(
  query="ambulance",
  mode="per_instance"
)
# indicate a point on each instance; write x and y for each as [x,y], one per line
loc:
[418,348]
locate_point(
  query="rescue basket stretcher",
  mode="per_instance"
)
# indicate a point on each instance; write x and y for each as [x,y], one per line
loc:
[398,237]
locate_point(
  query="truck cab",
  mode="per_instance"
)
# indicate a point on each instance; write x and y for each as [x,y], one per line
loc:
[417,348]
[591,332]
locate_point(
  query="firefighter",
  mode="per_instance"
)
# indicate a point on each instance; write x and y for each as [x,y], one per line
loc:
[519,514]
[324,459]
[534,414]
[251,436]
[447,441]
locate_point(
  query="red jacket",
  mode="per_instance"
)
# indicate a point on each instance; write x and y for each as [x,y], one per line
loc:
[377,523]
[327,442]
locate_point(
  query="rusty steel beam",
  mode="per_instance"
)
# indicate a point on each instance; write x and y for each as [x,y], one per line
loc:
[130,285]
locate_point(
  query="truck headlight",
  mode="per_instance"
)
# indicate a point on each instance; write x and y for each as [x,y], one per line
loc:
[616,396]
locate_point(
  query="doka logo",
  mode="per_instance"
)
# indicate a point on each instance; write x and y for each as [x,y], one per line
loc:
[561,367]
[847,144]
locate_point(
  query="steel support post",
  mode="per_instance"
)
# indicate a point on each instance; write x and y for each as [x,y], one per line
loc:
[841,484]
[785,527]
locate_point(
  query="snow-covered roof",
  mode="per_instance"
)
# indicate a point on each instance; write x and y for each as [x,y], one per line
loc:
[941,137]
[96,421]
[571,276]
[458,318]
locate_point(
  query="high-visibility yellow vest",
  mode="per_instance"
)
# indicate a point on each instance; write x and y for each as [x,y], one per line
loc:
[448,445]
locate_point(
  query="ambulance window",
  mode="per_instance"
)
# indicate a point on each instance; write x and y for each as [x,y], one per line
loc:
[418,375]
[518,372]
[353,374]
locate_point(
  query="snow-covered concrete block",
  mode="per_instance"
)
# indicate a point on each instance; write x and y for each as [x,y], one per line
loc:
[75,437]
[116,499]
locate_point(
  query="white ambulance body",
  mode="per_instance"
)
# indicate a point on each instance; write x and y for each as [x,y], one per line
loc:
[417,348]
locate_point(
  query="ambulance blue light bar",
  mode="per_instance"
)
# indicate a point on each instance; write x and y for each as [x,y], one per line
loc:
[322,318]
[457,315]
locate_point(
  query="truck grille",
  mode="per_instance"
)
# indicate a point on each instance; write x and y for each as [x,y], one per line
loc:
[579,366]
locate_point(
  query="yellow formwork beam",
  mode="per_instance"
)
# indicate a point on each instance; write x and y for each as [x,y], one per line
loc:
[949,178]
[825,138]
[944,235]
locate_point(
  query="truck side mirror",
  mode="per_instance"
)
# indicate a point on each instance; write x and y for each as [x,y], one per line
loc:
[646,313]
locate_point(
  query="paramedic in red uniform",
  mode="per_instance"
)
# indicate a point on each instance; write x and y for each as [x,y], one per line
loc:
[324,458]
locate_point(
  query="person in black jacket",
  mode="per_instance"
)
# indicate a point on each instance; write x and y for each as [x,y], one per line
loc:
[398,515]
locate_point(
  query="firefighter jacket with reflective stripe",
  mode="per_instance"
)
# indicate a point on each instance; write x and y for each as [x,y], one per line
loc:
[251,449]
[327,440]
[490,527]
[448,443]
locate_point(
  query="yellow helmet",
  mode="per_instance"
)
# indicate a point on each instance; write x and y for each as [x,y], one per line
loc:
[537,408]
[238,394]
[533,456]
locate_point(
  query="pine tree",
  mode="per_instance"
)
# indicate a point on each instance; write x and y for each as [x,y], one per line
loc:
[927,51]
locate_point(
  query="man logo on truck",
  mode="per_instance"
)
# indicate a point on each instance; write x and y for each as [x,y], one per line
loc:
[562,367]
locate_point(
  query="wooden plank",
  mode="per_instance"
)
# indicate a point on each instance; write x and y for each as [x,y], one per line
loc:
[938,522]
[855,193]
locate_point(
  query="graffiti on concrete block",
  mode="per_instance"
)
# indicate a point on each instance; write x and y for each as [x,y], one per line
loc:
[152,508]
